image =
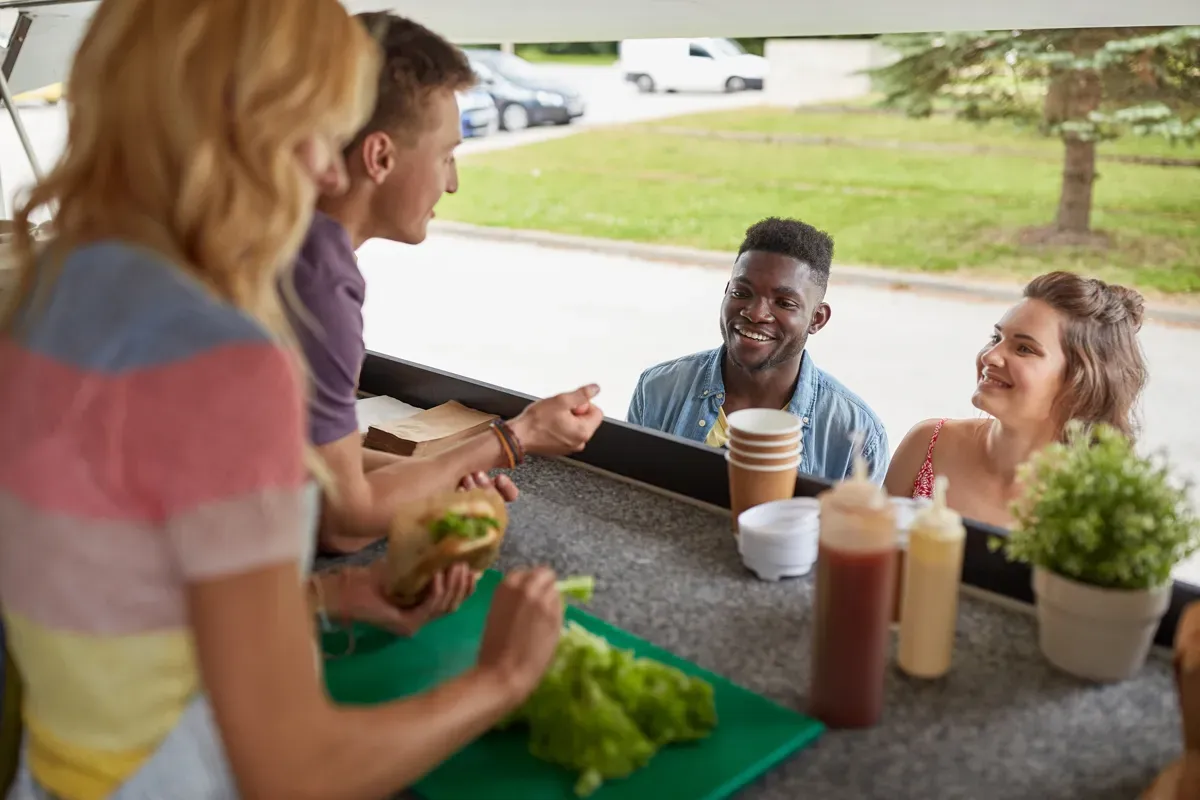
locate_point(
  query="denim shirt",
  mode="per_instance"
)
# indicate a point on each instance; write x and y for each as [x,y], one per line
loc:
[682,397]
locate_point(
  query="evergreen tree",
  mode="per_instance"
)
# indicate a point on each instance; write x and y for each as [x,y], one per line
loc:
[1083,86]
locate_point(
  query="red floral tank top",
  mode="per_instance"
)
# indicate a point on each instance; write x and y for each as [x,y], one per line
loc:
[923,485]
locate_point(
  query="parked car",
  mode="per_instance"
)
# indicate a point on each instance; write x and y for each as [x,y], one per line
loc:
[524,94]
[677,65]
[478,112]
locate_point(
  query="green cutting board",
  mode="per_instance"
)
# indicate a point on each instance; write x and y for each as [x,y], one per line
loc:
[753,734]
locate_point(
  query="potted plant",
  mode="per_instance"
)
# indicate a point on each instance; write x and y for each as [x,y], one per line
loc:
[1102,528]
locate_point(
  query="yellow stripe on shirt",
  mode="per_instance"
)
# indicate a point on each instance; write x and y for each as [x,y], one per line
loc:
[97,706]
[79,773]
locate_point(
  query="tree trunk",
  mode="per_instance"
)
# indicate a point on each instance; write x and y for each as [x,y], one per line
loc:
[1078,180]
[1072,96]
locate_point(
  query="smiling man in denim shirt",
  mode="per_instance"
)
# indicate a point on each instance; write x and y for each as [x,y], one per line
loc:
[774,301]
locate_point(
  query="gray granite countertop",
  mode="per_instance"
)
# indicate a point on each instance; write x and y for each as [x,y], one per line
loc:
[1001,725]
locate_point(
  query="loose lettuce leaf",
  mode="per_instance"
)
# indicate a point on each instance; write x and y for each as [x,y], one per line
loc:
[579,587]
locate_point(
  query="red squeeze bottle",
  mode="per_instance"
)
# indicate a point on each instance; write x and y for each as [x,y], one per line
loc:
[855,588]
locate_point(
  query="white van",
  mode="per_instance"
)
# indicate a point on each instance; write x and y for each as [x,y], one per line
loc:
[696,65]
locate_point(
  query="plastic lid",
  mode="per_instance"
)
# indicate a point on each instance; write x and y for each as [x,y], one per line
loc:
[857,490]
[939,519]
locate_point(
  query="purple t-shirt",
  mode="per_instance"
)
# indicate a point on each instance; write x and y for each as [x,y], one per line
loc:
[332,290]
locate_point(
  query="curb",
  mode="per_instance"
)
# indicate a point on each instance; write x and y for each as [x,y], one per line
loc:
[843,273]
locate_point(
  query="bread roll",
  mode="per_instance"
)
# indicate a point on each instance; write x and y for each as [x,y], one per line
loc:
[430,535]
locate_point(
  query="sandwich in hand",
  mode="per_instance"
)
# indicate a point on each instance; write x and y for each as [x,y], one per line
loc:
[431,535]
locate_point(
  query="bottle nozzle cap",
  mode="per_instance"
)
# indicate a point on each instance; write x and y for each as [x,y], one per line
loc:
[940,484]
[858,489]
[939,516]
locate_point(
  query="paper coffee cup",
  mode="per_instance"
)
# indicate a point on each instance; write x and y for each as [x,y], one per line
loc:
[770,425]
[770,460]
[762,441]
[754,484]
[752,450]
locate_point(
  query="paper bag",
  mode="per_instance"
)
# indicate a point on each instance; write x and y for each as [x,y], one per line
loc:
[429,432]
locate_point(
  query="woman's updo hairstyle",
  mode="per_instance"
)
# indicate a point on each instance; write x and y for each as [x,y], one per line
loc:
[1105,369]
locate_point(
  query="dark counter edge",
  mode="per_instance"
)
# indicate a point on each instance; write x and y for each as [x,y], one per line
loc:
[689,469]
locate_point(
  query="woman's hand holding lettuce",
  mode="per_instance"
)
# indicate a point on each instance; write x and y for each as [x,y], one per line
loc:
[522,630]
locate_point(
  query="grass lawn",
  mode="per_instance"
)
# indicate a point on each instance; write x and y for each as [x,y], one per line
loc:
[539,56]
[928,211]
[896,127]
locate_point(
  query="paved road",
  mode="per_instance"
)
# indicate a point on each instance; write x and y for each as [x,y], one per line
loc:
[612,101]
[580,317]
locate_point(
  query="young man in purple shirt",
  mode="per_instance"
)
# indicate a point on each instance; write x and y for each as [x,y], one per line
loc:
[399,165]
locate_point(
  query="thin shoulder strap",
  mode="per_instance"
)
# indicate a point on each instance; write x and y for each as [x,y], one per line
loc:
[937,429]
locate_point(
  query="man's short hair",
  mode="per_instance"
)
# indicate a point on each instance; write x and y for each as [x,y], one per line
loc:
[416,63]
[794,239]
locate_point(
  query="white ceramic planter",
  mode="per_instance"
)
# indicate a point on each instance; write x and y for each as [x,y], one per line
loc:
[1098,634]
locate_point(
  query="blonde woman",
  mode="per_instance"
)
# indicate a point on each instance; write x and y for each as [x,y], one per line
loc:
[153,486]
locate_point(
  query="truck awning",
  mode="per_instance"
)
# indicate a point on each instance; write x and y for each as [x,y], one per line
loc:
[58,24]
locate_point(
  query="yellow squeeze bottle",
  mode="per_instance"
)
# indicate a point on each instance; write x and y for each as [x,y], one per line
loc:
[932,577]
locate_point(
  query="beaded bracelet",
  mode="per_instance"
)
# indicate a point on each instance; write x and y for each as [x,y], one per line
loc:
[514,442]
[509,443]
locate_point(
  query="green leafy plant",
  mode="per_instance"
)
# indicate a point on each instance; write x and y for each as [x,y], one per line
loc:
[1096,511]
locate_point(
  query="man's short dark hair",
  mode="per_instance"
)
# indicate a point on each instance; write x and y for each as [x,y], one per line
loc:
[416,63]
[794,239]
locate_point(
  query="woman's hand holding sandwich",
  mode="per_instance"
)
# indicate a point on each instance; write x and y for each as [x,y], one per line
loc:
[481,480]
[359,594]
[559,425]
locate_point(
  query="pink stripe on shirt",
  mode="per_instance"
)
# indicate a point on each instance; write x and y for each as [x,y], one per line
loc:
[151,443]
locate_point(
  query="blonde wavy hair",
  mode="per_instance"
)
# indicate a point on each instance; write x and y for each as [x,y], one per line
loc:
[186,119]
[184,122]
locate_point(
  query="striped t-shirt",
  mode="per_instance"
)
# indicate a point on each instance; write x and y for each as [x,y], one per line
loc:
[151,436]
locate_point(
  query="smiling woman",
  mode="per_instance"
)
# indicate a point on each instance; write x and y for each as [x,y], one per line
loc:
[1067,351]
